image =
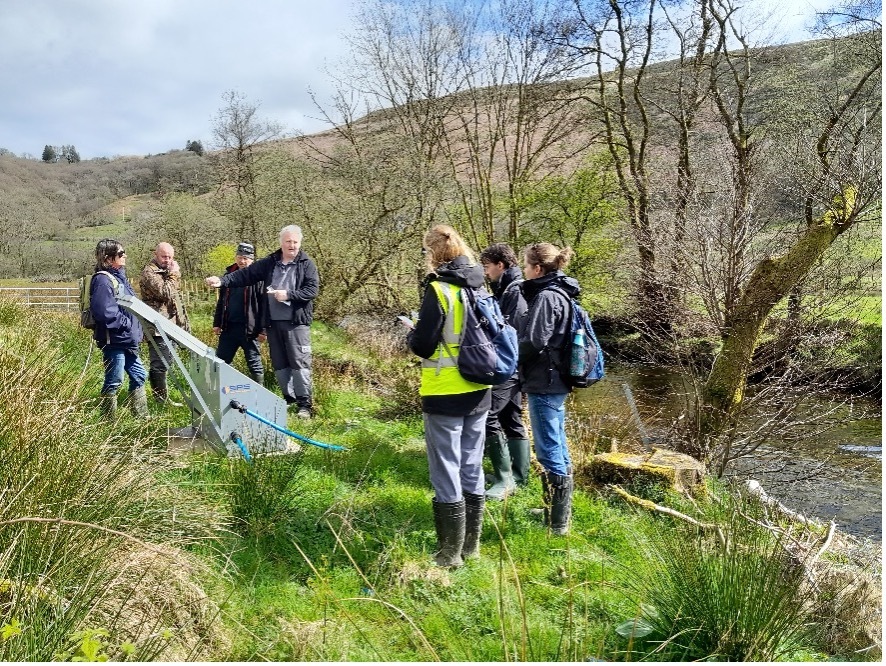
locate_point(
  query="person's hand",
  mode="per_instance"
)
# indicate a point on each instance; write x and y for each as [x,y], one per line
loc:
[261,337]
[173,267]
[216,330]
[280,294]
[213,281]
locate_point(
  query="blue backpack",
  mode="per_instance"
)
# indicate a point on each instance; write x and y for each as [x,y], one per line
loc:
[581,349]
[487,352]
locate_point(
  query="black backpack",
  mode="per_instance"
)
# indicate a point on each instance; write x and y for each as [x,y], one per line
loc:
[581,351]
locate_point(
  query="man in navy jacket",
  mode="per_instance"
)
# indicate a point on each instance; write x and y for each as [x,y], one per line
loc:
[292,282]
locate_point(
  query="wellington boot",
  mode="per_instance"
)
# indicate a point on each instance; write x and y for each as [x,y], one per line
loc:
[519,450]
[138,402]
[497,450]
[558,502]
[158,388]
[449,520]
[258,378]
[108,406]
[474,507]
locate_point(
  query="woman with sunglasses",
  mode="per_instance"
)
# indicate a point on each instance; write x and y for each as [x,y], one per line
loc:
[117,332]
[543,334]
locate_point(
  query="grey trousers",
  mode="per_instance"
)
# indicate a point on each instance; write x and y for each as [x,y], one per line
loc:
[290,348]
[455,454]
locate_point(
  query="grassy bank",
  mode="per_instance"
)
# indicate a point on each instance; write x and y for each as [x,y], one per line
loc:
[327,555]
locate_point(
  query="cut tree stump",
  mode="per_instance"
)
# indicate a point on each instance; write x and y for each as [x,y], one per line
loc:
[660,467]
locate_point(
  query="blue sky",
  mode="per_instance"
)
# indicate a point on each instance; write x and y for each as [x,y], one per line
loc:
[123,77]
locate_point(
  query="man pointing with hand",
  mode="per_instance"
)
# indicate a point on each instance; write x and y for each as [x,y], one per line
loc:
[292,283]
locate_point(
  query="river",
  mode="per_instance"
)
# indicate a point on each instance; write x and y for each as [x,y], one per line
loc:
[835,475]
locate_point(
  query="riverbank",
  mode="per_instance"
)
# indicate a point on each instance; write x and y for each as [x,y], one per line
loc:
[326,555]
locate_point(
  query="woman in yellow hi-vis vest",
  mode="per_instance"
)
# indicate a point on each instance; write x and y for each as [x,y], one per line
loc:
[453,408]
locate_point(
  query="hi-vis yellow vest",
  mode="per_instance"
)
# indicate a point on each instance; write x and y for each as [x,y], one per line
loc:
[439,374]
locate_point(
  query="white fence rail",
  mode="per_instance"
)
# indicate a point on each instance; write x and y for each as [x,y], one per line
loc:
[67,298]
[56,298]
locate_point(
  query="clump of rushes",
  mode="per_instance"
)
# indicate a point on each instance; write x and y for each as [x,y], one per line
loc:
[702,597]
[86,529]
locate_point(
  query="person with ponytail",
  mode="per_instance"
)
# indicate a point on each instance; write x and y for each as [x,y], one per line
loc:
[543,337]
[454,410]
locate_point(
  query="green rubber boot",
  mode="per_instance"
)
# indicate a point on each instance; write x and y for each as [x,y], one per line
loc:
[503,481]
[138,402]
[108,406]
[519,450]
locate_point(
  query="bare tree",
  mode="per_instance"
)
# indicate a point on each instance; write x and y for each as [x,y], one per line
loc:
[237,133]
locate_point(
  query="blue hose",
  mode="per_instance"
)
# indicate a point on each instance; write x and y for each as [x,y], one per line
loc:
[239,442]
[242,408]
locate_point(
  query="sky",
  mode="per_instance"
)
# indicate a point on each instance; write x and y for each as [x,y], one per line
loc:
[138,77]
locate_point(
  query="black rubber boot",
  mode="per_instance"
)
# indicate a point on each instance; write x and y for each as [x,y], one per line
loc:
[497,450]
[519,450]
[559,499]
[474,506]
[258,378]
[449,519]
[138,402]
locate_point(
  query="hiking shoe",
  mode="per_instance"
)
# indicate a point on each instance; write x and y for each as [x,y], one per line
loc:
[303,413]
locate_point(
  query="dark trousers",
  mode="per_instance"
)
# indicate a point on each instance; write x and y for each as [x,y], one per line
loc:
[157,363]
[235,338]
[506,415]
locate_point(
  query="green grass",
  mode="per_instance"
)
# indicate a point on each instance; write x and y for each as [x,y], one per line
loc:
[326,556]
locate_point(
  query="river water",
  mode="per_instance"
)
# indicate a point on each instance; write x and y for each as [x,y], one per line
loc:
[832,475]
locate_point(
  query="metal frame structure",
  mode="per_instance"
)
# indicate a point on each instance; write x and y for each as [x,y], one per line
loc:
[212,386]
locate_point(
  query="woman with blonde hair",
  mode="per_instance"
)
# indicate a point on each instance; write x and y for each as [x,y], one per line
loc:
[454,409]
[543,337]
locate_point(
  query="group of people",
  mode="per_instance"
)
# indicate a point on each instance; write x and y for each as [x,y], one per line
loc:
[272,299]
[269,299]
[461,418]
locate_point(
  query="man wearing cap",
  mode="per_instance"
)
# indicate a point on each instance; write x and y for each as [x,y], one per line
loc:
[238,318]
[159,286]
[292,282]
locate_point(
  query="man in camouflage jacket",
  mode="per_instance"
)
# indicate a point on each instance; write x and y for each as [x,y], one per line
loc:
[159,286]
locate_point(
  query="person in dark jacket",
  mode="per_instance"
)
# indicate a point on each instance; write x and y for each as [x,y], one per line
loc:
[543,335]
[454,409]
[238,318]
[506,442]
[292,282]
[117,332]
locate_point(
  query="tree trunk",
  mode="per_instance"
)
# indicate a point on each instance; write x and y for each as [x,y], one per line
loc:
[769,283]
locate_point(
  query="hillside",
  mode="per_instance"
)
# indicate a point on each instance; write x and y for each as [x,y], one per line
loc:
[51,213]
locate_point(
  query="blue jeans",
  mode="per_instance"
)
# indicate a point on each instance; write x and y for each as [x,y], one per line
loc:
[118,360]
[547,414]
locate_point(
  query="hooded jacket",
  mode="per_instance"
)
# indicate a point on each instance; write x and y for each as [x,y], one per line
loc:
[426,335]
[543,333]
[510,297]
[307,281]
[113,324]
[254,301]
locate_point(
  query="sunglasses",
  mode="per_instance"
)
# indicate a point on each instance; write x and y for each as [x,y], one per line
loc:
[121,253]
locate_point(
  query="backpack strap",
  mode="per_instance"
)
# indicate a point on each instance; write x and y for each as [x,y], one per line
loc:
[114,281]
